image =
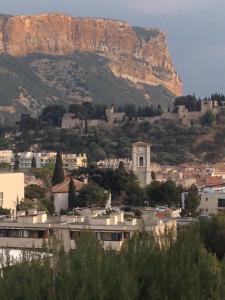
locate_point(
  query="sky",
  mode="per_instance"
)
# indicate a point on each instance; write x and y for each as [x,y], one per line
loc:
[195,31]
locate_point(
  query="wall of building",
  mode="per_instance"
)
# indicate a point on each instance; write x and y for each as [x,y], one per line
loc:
[12,187]
[209,202]
[60,201]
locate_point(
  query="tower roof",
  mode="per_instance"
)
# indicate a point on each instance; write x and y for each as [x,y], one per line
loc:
[141,144]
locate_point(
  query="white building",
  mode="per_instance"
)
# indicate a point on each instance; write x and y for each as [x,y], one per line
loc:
[11,189]
[113,163]
[141,164]
[70,161]
[60,193]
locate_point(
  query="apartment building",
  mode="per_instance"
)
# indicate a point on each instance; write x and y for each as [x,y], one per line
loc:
[30,230]
[7,156]
[11,190]
[212,200]
[70,161]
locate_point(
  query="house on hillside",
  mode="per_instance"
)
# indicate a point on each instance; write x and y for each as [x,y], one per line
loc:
[60,193]
[187,117]
[113,116]
[69,121]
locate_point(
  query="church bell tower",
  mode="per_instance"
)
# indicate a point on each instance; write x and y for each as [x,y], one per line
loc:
[141,162]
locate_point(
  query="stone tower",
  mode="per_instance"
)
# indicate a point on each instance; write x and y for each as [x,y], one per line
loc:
[141,162]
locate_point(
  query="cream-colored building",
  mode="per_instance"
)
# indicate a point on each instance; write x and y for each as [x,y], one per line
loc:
[74,161]
[141,164]
[11,189]
[212,200]
[31,229]
[7,156]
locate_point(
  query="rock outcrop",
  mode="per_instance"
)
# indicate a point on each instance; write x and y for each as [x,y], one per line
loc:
[138,54]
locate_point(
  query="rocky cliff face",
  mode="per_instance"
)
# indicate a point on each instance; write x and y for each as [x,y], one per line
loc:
[138,54]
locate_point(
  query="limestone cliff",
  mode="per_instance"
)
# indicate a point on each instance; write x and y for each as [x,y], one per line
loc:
[138,54]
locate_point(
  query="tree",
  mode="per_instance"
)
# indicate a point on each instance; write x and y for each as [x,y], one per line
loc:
[5,166]
[58,174]
[4,211]
[34,191]
[71,194]
[192,200]
[121,167]
[164,193]
[16,163]
[153,175]
[208,118]
[92,194]
[33,163]
[52,115]
[212,232]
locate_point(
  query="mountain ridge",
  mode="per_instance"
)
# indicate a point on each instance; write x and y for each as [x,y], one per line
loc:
[135,59]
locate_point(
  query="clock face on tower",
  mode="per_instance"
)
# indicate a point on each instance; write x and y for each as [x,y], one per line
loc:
[141,149]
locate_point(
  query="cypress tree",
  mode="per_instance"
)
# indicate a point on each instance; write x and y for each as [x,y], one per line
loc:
[58,174]
[16,163]
[71,194]
[33,163]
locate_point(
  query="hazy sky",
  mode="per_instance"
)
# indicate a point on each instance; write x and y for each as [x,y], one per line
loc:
[195,31]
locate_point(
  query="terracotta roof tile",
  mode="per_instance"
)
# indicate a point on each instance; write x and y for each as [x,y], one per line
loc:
[64,186]
[213,180]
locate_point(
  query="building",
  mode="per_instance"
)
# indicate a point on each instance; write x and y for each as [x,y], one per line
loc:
[7,156]
[113,163]
[60,193]
[74,161]
[11,190]
[41,159]
[212,200]
[141,165]
[30,230]
[114,117]
[187,117]
[70,121]
[70,161]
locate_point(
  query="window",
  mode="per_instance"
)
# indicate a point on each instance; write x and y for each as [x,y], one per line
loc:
[206,199]
[109,236]
[141,161]
[221,202]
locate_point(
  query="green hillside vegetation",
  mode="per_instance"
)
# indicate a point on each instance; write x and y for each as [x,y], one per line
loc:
[75,78]
[15,75]
[171,142]
[179,268]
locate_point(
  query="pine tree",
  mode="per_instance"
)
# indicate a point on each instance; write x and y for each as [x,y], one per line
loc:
[33,163]
[58,175]
[71,194]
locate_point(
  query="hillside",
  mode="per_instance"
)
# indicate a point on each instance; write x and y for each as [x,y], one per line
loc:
[82,59]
